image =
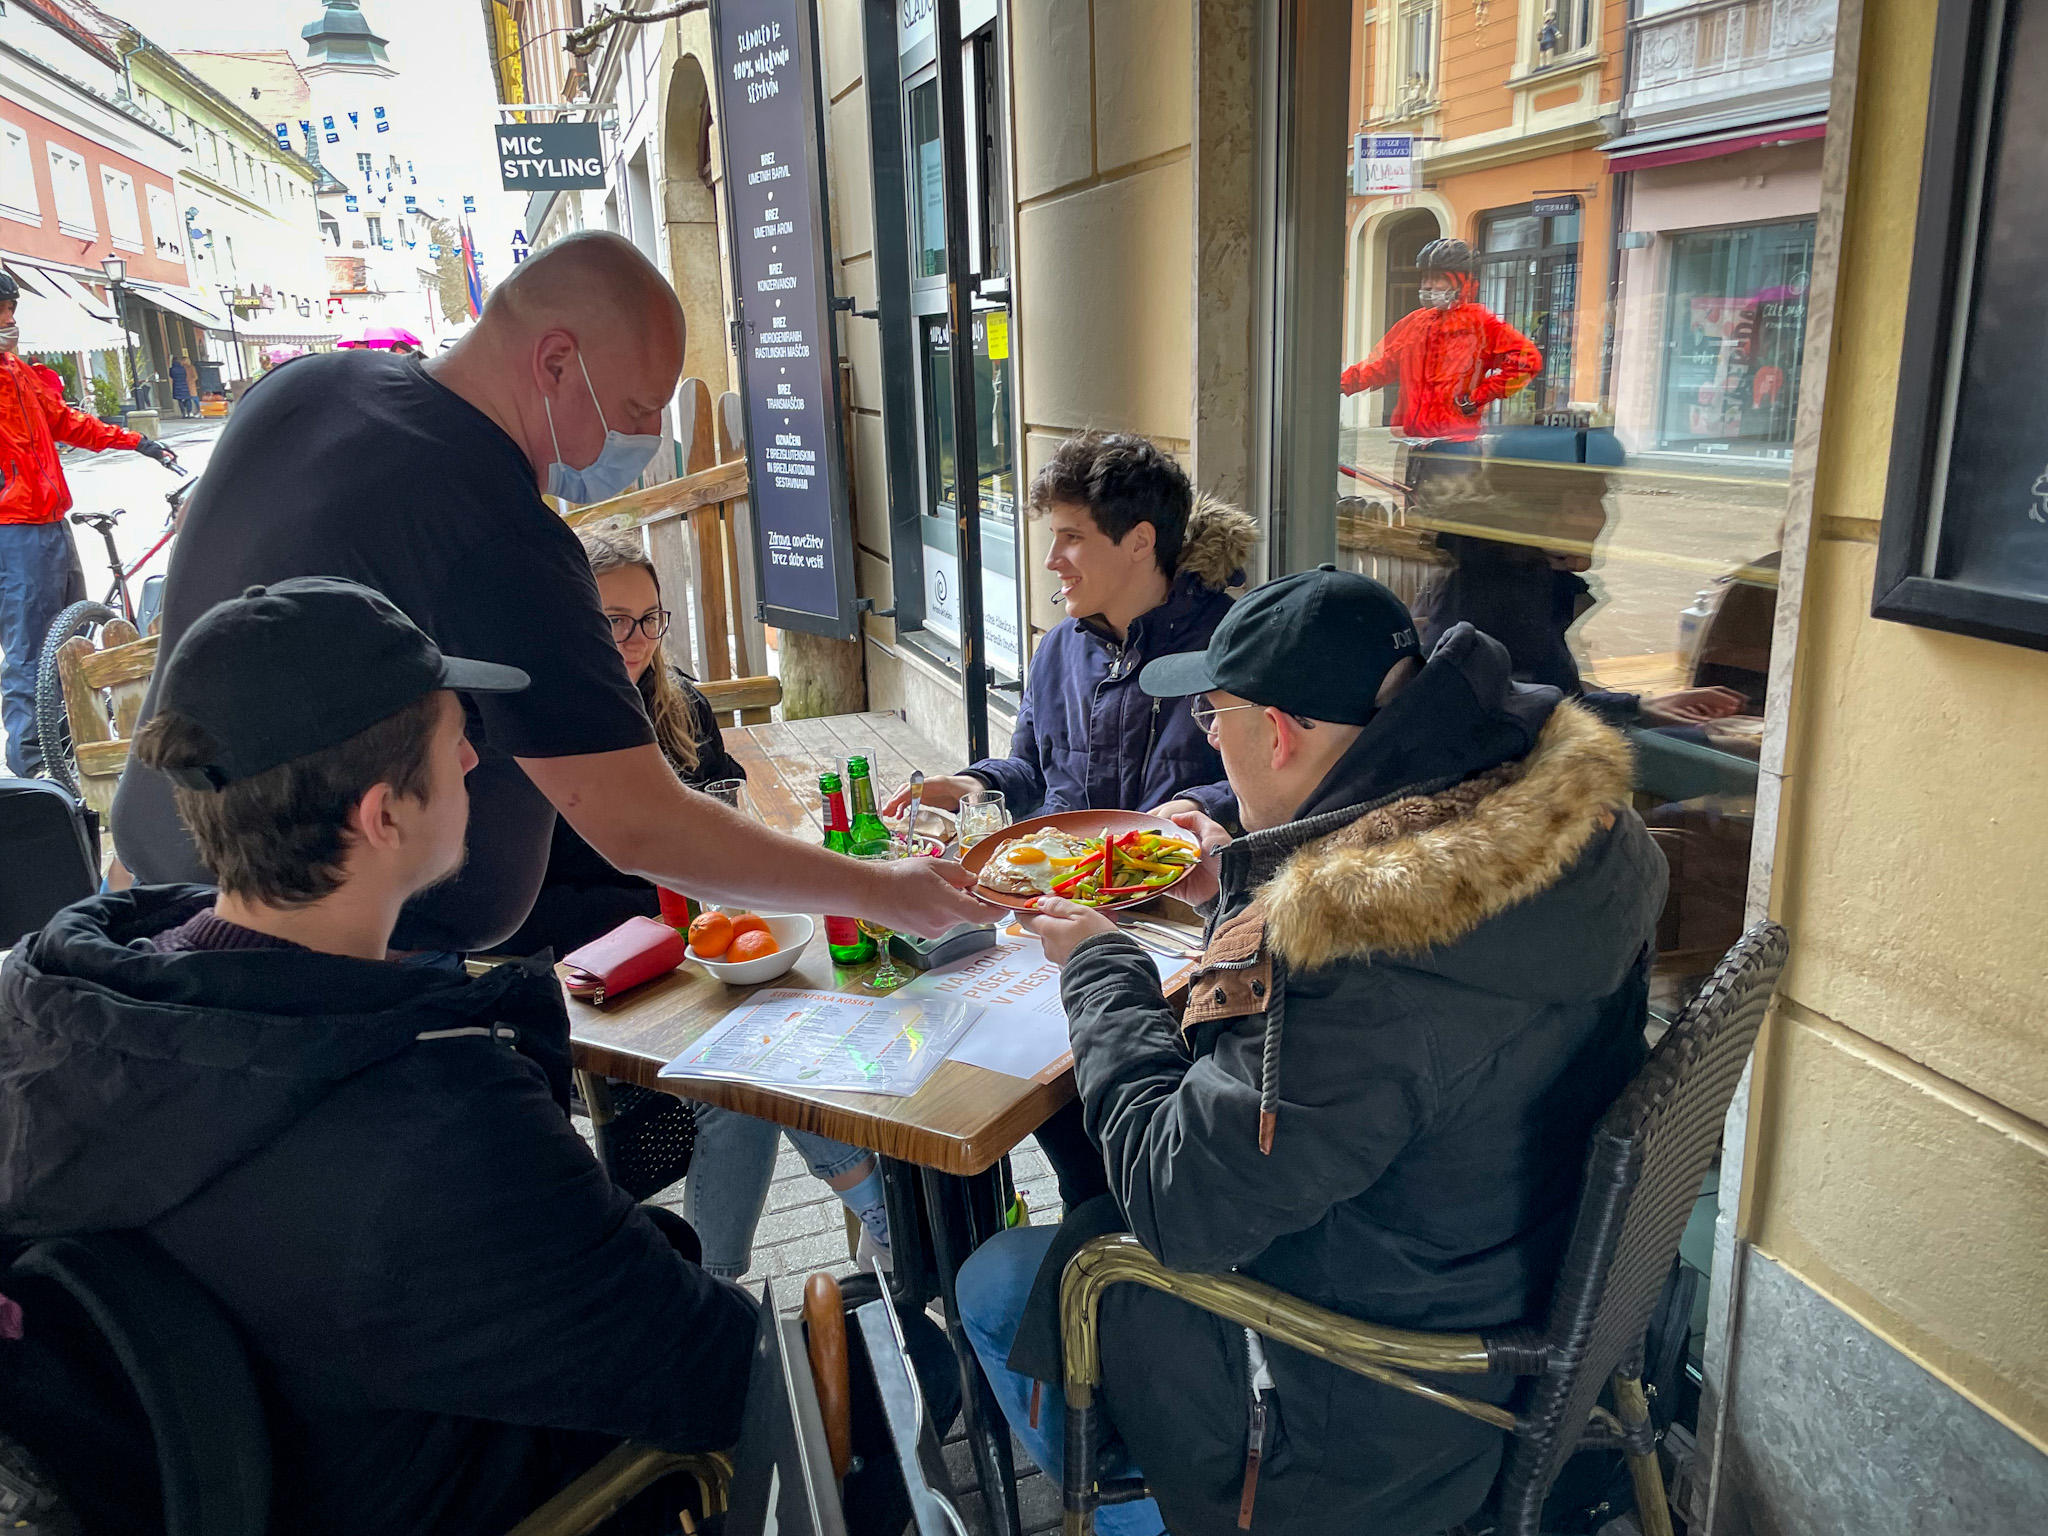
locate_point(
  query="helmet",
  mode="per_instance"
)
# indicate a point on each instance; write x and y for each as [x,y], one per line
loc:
[1444,256]
[10,290]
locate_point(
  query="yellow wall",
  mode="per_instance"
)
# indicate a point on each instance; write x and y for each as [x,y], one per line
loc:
[1899,1120]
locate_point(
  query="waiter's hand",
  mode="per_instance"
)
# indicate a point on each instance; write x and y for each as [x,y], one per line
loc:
[925,896]
[1062,926]
[149,447]
[942,792]
[1199,886]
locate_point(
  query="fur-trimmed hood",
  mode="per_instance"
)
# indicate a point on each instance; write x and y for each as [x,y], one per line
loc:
[1219,541]
[1423,872]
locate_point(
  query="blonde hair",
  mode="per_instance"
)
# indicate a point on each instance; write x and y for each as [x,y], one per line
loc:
[675,728]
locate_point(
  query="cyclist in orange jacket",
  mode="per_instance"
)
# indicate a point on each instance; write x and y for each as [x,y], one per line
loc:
[1453,357]
[39,571]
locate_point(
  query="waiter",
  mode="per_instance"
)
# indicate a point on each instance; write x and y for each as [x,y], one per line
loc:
[39,572]
[423,480]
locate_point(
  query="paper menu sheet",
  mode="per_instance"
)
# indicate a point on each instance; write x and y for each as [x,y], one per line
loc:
[1023,1028]
[790,1038]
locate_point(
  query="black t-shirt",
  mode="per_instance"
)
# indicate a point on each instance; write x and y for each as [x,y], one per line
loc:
[359,464]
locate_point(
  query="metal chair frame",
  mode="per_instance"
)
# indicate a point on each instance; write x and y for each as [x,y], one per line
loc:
[1643,1170]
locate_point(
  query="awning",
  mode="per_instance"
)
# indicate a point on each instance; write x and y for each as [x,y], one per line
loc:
[273,336]
[179,301]
[51,321]
[71,287]
[1646,151]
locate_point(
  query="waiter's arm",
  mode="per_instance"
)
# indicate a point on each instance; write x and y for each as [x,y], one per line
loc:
[631,808]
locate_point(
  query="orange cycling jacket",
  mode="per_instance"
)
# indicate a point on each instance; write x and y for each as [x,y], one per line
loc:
[1439,355]
[32,422]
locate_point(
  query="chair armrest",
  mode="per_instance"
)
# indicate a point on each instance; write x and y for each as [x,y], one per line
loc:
[624,1472]
[1383,1354]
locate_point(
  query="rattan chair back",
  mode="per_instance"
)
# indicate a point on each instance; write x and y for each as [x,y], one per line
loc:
[1643,1173]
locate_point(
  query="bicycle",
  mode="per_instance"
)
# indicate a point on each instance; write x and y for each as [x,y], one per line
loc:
[90,618]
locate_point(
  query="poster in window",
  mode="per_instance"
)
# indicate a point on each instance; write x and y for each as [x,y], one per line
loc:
[1964,544]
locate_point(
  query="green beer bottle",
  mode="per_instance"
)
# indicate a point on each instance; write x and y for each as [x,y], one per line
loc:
[843,938]
[868,826]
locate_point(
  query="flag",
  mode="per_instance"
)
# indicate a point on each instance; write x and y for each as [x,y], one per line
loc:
[469,271]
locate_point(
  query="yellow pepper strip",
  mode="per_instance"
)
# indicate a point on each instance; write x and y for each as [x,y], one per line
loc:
[1156,869]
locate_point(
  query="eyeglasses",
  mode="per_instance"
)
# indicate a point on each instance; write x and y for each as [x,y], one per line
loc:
[653,625]
[1205,714]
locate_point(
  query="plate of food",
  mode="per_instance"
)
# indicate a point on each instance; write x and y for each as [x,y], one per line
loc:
[1101,859]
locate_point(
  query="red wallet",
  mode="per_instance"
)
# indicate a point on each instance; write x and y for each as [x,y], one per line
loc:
[635,952]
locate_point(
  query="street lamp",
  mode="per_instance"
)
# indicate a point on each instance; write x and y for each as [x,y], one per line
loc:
[116,268]
[227,297]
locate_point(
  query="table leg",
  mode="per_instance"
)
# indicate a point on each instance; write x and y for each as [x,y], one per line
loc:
[964,1213]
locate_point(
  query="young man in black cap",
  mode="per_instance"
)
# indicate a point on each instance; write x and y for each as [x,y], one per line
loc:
[1445,902]
[451,1308]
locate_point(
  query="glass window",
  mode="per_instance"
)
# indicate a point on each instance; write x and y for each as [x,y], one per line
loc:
[1586,454]
[927,183]
[124,219]
[73,193]
[375,226]
[940,525]
[18,174]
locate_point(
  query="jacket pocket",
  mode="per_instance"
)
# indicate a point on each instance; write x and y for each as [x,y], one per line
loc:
[1261,1422]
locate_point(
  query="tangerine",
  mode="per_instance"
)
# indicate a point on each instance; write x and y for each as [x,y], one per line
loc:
[711,935]
[746,922]
[754,944]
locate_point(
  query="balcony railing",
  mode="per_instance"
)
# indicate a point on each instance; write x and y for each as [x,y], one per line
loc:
[1730,48]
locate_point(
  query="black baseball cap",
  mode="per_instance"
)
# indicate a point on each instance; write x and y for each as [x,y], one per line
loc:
[302,665]
[1317,644]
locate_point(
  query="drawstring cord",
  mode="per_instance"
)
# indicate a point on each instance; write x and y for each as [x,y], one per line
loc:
[1269,1065]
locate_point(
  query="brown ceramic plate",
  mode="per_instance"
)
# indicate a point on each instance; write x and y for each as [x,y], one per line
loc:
[1077,824]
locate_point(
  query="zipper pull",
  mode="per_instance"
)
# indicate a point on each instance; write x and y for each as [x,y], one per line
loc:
[1254,1447]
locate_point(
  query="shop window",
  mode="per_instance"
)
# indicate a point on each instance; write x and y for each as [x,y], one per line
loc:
[927,183]
[73,193]
[1529,276]
[18,175]
[1736,331]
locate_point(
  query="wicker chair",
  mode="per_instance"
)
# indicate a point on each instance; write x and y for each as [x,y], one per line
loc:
[1643,1172]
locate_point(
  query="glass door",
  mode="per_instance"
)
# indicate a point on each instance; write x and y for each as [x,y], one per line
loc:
[1001,569]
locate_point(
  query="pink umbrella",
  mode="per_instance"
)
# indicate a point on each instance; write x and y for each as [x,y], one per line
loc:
[380,336]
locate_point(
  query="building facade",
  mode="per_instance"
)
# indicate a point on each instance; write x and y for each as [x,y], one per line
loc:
[86,174]
[247,202]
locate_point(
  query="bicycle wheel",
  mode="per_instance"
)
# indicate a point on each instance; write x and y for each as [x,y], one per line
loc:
[53,724]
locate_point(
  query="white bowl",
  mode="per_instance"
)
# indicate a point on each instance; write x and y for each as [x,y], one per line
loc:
[792,933]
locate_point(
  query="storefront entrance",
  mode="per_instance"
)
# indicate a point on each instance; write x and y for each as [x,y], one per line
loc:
[1529,276]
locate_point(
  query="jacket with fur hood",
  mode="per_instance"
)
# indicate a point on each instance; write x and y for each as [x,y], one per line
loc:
[450,1308]
[1416,1001]
[1087,736]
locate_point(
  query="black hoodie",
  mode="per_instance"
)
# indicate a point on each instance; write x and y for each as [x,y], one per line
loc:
[451,1308]
[1417,999]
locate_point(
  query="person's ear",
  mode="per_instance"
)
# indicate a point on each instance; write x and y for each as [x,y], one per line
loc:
[1140,542]
[376,821]
[554,355]
[1286,737]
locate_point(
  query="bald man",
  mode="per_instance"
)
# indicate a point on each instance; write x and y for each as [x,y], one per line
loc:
[423,479]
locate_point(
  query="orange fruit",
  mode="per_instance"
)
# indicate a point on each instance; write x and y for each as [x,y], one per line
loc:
[711,935]
[751,945]
[746,922]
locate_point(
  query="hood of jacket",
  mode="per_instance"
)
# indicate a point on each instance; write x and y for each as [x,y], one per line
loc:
[129,1079]
[1468,797]
[1219,540]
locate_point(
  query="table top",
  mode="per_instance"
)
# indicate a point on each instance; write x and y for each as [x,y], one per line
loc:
[964,1117]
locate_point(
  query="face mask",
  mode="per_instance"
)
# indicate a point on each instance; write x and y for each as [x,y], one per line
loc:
[1440,298]
[617,465]
[10,337]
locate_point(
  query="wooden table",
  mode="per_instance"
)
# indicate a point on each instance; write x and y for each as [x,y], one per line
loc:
[962,1121]
[956,1129]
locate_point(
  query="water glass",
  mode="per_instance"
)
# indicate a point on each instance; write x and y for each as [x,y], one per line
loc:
[887,976]
[982,813]
[731,792]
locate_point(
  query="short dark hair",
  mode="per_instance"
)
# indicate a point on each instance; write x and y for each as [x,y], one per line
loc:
[279,837]
[1123,480]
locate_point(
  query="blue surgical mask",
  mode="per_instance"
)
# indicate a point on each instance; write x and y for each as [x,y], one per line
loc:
[617,465]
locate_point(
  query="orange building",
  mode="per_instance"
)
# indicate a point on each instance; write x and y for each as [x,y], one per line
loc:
[1505,101]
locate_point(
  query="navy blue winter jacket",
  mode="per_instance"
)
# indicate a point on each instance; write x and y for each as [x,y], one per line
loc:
[1087,736]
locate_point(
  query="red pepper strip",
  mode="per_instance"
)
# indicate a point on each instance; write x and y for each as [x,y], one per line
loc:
[1127,890]
[1084,872]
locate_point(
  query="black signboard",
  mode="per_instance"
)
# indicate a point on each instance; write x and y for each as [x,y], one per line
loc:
[1964,544]
[772,128]
[550,157]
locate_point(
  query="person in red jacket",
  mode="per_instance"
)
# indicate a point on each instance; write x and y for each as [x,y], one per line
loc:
[39,571]
[1453,357]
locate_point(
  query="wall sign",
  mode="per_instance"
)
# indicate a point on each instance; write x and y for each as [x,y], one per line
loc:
[772,129]
[1964,544]
[1384,165]
[550,157]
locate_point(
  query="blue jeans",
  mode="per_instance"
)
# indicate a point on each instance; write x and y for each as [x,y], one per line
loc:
[39,578]
[730,1171]
[993,1287]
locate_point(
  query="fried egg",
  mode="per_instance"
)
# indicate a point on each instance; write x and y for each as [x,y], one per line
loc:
[1033,865]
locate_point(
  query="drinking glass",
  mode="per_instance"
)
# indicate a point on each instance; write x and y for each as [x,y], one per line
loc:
[731,792]
[887,976]
[982,813]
